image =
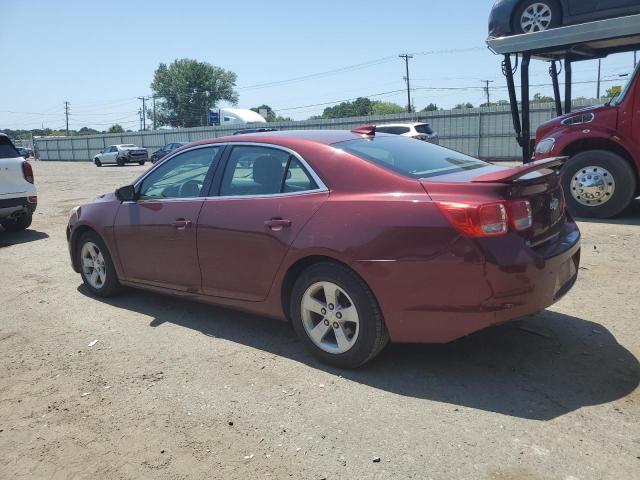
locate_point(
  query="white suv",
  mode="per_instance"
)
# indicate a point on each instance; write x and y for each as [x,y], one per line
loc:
[18,196]
[421,131]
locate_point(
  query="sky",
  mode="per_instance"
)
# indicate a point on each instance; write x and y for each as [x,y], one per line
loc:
[101,56]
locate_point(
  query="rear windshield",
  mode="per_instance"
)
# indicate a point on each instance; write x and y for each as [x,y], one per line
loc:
[7,149]
[424,128]
[410,157]
[393,130]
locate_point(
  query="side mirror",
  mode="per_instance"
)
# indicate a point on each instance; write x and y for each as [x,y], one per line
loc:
[126,194]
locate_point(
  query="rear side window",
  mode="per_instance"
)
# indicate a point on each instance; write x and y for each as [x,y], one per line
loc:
[425,128]
[264,171]
[408,157]
[7,149]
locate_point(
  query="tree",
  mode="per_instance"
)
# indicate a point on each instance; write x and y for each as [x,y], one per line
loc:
[187,89]
[432,107]
[271,115]
[358,108]
[116,128]
[386,108]
[613,91]
[87,131]
[539,98]
[463,105]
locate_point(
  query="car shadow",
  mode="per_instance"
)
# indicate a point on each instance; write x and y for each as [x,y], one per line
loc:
[630,216]
[538,368]
[8,239]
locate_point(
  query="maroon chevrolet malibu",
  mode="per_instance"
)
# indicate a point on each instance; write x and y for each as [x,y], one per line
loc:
[357,238]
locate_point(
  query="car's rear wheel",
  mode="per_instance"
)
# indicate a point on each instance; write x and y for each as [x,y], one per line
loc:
[336,316]
[598,184]
[17,224]
[96,266]
[536,16]
[97,162]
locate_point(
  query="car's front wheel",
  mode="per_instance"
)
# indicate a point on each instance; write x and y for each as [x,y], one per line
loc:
[96,266]
[120,161]
[598,184]
[336,316]
[141,162]
[537,16]
[97,162]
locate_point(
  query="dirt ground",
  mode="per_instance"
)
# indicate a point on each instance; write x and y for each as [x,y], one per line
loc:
[177,390]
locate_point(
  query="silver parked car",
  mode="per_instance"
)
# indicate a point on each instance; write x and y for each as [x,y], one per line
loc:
[420,131]
[121,154]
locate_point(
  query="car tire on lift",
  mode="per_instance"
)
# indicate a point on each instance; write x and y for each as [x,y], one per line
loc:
[552,5]
[609,180]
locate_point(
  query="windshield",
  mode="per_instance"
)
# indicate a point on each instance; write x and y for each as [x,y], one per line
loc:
[617,100]
[410,157]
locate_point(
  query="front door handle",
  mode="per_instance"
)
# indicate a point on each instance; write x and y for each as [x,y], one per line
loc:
[277,224]
[181,223]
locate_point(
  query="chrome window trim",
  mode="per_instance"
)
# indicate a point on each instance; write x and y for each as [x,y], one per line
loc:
[316,178]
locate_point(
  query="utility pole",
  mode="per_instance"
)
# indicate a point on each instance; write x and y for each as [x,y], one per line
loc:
[66,114]
[406,58]
[140,114]
[635,59]
[599,69]
[486,90]
[144,113]
[154,111]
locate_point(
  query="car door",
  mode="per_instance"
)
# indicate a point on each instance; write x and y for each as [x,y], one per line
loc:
[266,196]
[156,234]
[581,8]
[112,153]
[610,8]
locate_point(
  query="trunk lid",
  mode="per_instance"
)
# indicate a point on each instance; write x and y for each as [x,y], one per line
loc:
[533,182]
[12,182]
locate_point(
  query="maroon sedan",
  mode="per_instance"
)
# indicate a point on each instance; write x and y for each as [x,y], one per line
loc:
[356,238]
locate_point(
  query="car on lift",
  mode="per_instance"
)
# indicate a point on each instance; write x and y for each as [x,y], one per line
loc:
[164,151]
[18,196]
[600,179]
[512,17]
[121,154]
[356,237]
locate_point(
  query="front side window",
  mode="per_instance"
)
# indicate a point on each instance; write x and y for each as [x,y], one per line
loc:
[113,150]
[264,171]
[182,176]
[410,158]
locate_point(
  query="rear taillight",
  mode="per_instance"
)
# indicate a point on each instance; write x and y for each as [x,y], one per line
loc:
[27,171]
[487,220]
[520,214]
[32,200]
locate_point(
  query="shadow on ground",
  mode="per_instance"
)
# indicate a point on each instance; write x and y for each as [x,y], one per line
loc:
[630,216]
[14,238]
[538,368]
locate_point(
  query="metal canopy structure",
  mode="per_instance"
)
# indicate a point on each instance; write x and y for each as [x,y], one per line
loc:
[586,41]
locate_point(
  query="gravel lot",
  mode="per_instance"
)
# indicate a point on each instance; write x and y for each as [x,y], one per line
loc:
[175,390]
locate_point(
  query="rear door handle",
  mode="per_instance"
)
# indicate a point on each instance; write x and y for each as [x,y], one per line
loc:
[181,223]
[276,224]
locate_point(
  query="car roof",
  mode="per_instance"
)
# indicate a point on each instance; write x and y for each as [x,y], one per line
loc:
[326,137]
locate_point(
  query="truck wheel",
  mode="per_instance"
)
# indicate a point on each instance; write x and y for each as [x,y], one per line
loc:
[598,184]
[536,16]
[17,225]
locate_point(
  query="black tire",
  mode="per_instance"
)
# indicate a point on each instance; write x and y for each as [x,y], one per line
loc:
[556,14]
[97,162]
[111,285]
[373,335]
[120,162]
[18,224]
[623,174]
[141,162]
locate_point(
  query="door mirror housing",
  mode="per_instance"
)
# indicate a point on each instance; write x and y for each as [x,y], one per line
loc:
[126,193]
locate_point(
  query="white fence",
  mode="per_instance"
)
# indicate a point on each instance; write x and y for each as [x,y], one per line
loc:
[481,132]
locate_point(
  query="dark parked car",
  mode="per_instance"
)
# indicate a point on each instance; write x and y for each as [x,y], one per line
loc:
[168,148]
[24,152]
[355,237]
[510,17]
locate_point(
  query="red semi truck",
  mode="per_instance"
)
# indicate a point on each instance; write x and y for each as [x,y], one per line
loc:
[600,179]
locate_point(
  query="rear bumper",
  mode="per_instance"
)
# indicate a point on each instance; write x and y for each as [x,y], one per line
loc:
[13,207]
[460,292]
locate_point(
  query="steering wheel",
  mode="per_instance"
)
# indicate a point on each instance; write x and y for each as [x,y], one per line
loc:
[190,188]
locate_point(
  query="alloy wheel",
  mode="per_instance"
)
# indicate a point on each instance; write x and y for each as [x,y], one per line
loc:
[329,317]
[536,18]
[93,265]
